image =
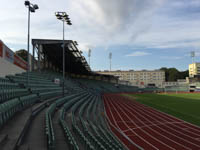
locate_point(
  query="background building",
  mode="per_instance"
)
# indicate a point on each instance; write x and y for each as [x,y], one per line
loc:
[194,69]
[10,63]
[143,78]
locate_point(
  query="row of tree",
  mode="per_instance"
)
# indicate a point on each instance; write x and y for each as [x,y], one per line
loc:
[172,74]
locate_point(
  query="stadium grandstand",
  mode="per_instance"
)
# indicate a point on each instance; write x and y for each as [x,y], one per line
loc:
[51,98]
[39,109]
[36,115]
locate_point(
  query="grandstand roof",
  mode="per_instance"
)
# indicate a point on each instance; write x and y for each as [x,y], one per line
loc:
[74,61]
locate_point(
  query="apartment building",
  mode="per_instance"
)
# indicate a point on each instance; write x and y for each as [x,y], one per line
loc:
[194,69]
[143,78]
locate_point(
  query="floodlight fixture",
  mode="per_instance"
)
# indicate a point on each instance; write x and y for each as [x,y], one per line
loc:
[65,15]
[35,6]
[26,3]
[32,9]
[57,14]
[30,6]
[59,18]
[66,18]
[69,23]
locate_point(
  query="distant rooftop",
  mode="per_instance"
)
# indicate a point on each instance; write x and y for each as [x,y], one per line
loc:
[129,70]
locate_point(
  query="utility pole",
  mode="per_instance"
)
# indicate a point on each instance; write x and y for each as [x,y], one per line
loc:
[110,57]
[89,55]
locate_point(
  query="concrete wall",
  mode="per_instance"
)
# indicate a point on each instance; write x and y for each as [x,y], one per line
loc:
[10,63]
[7,68]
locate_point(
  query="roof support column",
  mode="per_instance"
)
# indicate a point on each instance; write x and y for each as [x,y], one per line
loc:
[33,59]
[48,64]
[39,57]
[45,62]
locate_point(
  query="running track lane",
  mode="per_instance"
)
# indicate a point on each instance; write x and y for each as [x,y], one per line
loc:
[148,128]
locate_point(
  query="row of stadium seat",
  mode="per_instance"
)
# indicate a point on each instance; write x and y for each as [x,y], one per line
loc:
[48,118]
[102,128]
[102,86]
[8,85]
[98,144]
[4,80]
[69,137]
[24,77]
[74,107]
[12,90]
[70,85]
[38,84]
[9,108]
[33,75]
[13,100]
[6,94]
[34,80]
[90,140]
[109,144]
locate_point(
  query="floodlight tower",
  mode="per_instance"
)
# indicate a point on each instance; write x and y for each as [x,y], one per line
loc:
[192,54]
[31,9]
[89,55]
[64,18]
[110,57]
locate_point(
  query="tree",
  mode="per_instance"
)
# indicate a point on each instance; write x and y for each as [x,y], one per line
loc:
[22,53]
[166,73]
[172,74]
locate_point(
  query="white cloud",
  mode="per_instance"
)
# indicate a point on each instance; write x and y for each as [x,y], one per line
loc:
[171,57]
[138,53]
[171,34]
[99,23]
[85,46]
[102,23]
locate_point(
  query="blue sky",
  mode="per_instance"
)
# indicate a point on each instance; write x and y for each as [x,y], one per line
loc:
[141,34]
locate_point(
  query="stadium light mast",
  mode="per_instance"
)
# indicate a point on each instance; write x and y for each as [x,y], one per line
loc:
[110,57]
[192,54]
[64,18]
[31,9]
[89,54]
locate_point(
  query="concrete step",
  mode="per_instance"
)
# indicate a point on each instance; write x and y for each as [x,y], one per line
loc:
[24,147]
[3,139]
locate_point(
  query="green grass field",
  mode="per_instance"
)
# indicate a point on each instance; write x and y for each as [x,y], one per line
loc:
[185,106]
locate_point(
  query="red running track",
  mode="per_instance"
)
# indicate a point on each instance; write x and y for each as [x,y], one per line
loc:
[142,127]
